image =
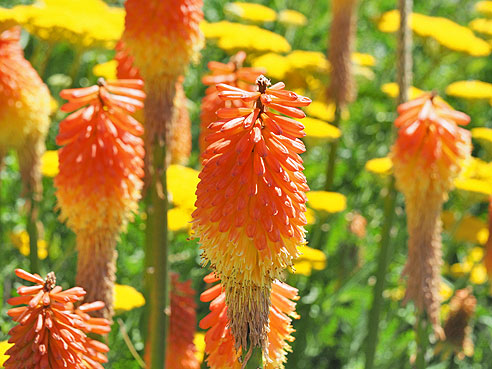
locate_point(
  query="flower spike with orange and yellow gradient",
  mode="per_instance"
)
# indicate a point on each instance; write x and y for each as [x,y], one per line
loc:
[100,178]
[232,73]
[429,143]
[251,201]
[219,342]
[50,333]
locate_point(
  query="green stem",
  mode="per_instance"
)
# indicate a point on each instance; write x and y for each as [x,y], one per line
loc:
[383,261]
[422,340]
[76,63]
[157,243]
[32,231]
[332,156]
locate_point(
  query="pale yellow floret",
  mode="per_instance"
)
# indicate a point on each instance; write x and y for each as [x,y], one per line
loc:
[292,18]
[251,12]
[126,298]
[326,202]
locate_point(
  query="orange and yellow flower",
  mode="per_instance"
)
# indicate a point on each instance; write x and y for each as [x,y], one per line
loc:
[182,324]
[99,182]
[429,144]
[232,73]
[220,343]
[251,200]
[24,109]
[50,333]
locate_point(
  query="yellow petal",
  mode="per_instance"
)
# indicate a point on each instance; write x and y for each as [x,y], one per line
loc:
[365,60]
[49,163]
[470,89]
[126,298]
[178,219]
[106,70]
[445,291]
[181,185]
[276,65]
[4,346]
[482,25]
[251,12]
[199,341]
[303,268]
[478,274]
[321,110]
[292,18]
[326,202]
[310,216]
[320,131]
[381,166]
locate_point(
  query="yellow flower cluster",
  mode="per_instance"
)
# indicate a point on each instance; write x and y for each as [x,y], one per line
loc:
[484,7]
[21,241]
[318,131]
[475,180]
[467,229]
[49,163]
[392,90]
[470,90]
[89,23]
[308,260]
[106,70]
[4,346]
[236,36]
[292,18]
[397,294]
[326,202]
[126,298]
[484,136]
[257,13]
[381,166]
[482,25]
[446,32]
[472,266]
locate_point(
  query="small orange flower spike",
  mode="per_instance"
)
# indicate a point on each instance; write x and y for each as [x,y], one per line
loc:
[50,334]
[182,326]
[219,342]
[99,183]
[232,73]
[427,156]
[24,110]
[251,201]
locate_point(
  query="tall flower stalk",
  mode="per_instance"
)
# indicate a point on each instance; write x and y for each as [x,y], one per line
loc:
[50,332]
[251,201]
[342,85]
[429,143]
[24,123]
[100,178]
[163,37]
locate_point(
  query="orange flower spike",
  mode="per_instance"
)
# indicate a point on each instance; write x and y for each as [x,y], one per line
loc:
[219,342]
[24,110]
[50,334]
[430,143]
[232,73]
[182,322]
[99,183]
[251,202]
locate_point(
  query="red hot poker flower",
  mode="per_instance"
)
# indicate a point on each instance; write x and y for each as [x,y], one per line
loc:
[50,334]
[429,143]
[233,74]
[251,201]
[99,183]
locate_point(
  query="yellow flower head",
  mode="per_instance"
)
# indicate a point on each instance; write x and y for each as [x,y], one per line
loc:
[4,346]
[292,18]
[318,131]
[484,7]
[21,241]
[392,90]
[308,260]
[326,202]
[126,298]
[235,36]
[251,12]
[484,136]
[482,25]
[106,70]
[381,166]
[470,89]
[277,66]
[181,184]
[49,163]
[444,31]
[364,60]
[321,110]
[475,181]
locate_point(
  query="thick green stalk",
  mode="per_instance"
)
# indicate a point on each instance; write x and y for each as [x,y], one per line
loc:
[32,231]
[157,244]
[383,261]
[159,107]
[404,79]
[332,156]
